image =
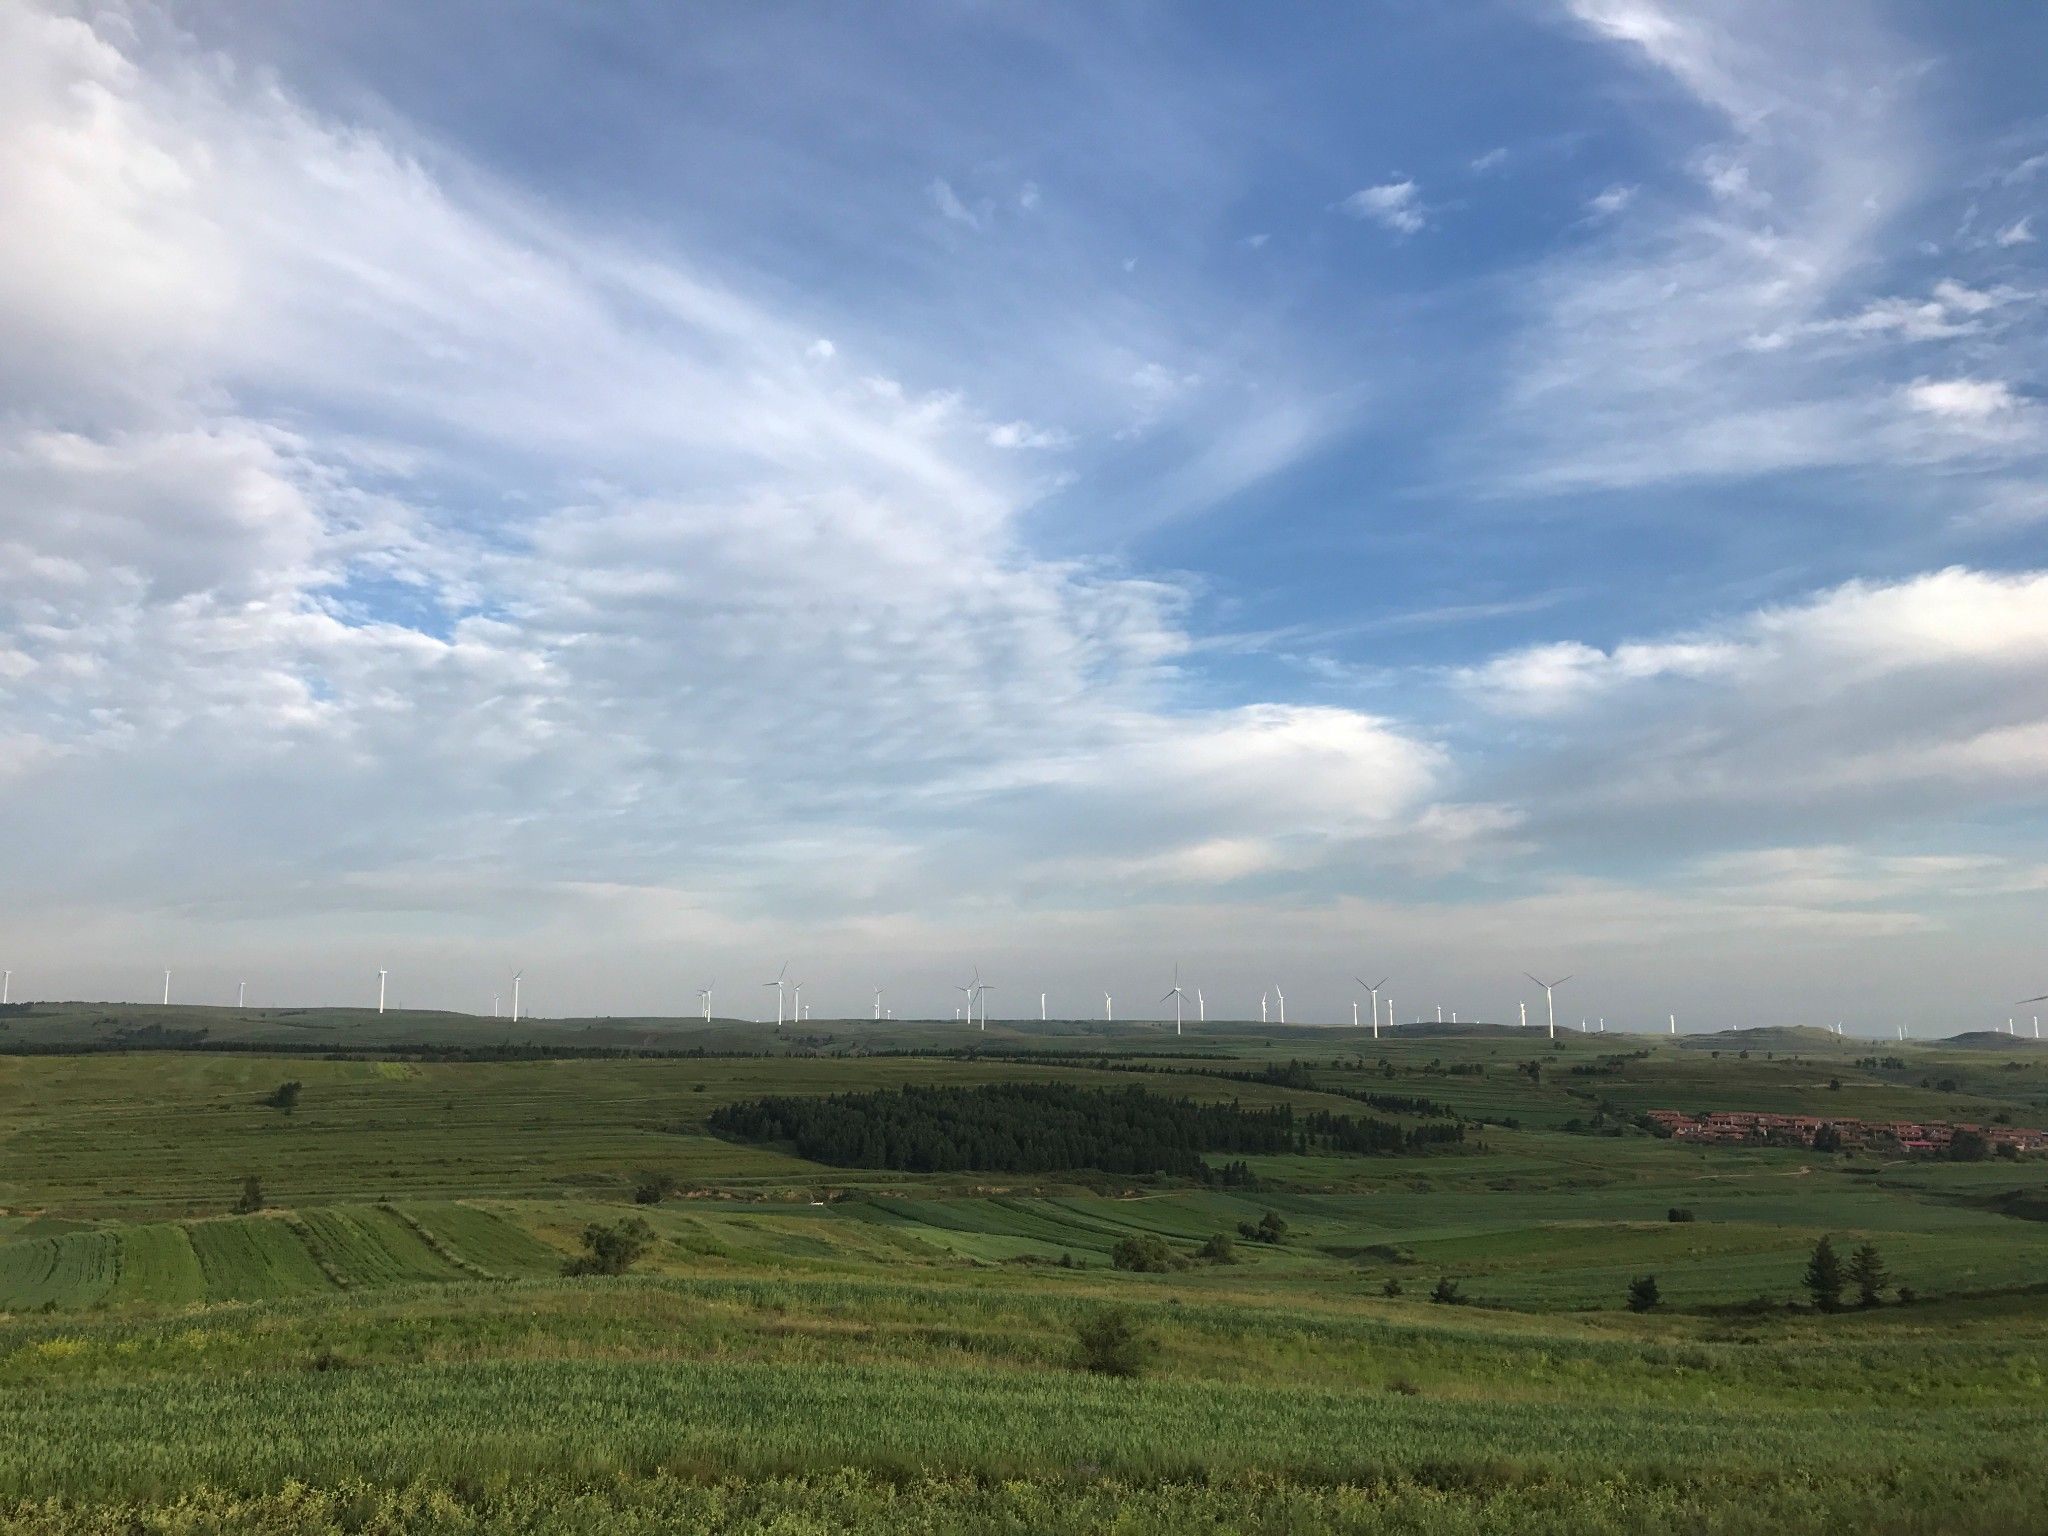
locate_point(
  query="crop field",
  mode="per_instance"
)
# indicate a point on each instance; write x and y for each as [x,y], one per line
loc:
[388,1342]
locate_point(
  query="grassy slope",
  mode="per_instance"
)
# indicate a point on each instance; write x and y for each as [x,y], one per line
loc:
[401,1320]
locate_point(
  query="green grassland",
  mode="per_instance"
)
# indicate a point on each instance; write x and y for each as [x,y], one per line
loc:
[390,1345]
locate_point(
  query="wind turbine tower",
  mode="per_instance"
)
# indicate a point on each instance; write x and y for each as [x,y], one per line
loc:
[167,989]
[704,1000]
[380,989]
[1374,988]
[777,985]
[1549,1001]
[1262,1006]
[1108,1009]
[241,992]
[1179,1000]
[1283,1001]
[6,985]
[516,978]
[1201,1008]
[1041,1007]
[878,1004]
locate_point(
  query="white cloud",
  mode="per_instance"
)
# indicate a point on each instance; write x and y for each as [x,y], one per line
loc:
[1605,205]
[599,552]
[1022,434]
[1395,205]
[1963,399]
[1866,702]
[2019,232]
[948,202]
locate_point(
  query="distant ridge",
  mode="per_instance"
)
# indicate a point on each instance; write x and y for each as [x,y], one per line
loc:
[1771,1036]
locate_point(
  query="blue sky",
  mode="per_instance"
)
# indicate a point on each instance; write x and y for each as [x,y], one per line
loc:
[642,493]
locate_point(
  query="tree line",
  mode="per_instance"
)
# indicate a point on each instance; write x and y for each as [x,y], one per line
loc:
[1051,1127]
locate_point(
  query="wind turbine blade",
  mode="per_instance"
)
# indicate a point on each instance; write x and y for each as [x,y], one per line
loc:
[1560,981]
[2043,998]
[1378,984]
[1532,978]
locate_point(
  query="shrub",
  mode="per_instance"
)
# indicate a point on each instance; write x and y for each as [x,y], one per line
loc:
[1143,1254]
[1392,1287]
[1446,1293]
[1109,1343]
[1642,1293]
[611,1250]
[1679,1213]
[250,1200]
[284,1097]
[1269,1228]
[652,1188]
[1218,1250]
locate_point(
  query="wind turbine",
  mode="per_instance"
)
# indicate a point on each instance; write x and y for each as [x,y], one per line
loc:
[704,1000]
[516,975]
[6,985]
[2043,998]
[1108,1009]
[241,992]
[777,985]
[985,988]
[1374,988]
[796,1012]
[1201,1008]
[1548,1000]
[878,1004]
[167,989]
[380,989]
[1180,999]
[495,1000]
[1674,1023]
[1525,1013]
[1262,1006]
[1041,1007]
[1283,1001]
[970,992]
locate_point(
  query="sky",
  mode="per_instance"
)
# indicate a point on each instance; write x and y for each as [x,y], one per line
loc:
[644,494]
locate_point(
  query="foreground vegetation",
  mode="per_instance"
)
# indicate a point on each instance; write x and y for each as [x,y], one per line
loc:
[411,1327]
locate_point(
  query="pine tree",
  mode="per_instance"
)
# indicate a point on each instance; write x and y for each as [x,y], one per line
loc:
[1866,1268]
[1824,1277]
[1642,1293]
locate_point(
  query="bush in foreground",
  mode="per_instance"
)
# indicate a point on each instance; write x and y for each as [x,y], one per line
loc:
[611,1250]
[1110,1343]
[1143,1254]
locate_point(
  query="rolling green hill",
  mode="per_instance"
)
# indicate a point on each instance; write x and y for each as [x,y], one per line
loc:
[392,1337]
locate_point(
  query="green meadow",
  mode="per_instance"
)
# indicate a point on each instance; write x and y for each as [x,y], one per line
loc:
[389,1342]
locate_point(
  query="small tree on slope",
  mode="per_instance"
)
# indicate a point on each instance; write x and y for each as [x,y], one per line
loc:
[1824,1277]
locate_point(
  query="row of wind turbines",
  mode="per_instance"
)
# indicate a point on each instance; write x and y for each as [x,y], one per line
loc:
[791,1008]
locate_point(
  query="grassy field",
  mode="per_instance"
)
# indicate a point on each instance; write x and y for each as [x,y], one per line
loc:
[390,1344]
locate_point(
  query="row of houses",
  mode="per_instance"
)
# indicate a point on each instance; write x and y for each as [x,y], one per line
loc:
[1744,1127]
